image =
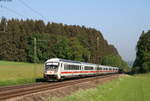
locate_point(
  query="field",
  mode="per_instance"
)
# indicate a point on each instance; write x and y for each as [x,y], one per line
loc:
[13,73]
[127,88]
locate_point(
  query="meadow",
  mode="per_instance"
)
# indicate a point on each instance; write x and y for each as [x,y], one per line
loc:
[127,88]
[13,73]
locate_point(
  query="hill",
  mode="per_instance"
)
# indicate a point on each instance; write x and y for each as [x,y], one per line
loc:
[53,40]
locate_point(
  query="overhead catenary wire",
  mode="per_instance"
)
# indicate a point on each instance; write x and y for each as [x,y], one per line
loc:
[13,11]
[38,13]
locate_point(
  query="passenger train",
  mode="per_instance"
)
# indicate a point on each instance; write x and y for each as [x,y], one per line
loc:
[58,69]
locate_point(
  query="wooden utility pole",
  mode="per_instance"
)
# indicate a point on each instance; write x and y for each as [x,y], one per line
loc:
[35,50]
[35,57]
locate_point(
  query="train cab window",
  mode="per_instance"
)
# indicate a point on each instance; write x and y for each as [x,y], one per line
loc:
[51,66]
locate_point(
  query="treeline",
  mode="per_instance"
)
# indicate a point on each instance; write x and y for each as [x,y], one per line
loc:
[142,62]
[116,61]
[53,40]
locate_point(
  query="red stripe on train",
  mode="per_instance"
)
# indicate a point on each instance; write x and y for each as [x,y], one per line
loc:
[85,72]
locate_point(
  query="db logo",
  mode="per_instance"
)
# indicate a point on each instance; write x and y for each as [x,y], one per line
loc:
[51,72]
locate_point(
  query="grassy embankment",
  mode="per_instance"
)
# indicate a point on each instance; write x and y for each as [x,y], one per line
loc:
[128,88]
[12,73]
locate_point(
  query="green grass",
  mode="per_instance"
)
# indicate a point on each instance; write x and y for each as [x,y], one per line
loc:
[128,88]
[13,73]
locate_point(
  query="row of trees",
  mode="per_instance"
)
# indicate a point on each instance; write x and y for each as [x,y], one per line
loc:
[116,61]
[53,40]
[142,62]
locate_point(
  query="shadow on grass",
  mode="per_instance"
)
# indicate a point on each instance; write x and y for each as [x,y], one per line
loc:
[40,80]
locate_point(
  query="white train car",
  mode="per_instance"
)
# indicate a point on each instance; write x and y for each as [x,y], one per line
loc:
[57,69]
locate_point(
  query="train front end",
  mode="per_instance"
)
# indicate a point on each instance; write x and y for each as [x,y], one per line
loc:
[51,72]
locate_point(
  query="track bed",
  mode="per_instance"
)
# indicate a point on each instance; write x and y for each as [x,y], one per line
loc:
[22,90]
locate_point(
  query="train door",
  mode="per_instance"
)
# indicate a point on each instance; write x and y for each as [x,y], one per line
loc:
[60,69]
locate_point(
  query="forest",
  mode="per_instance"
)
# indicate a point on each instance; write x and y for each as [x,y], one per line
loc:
[142,62]
[53,40]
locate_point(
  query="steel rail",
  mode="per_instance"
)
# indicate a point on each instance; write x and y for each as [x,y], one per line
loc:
[10,92]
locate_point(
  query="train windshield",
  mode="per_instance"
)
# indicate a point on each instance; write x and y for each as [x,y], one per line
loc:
[51,66]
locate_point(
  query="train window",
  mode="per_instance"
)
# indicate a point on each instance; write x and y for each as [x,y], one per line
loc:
[88,68]
[99,68]
[75,67]
[71,67]
[65,67]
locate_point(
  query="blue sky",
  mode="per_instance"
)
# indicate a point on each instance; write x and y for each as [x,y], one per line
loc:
[120,21]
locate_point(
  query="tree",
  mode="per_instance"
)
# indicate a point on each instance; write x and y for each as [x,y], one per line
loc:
[79,53]
[143,53]
[3,23]
[65,41]
[62,49]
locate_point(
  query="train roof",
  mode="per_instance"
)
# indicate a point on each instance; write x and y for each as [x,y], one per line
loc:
[78,62]
[84,63]
[107,66]
[62,60]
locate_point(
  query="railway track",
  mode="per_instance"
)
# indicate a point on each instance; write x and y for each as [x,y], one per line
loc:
[15,91]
